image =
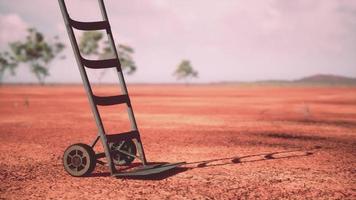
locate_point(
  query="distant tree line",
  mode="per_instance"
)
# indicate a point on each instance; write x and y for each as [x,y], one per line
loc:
[37,52]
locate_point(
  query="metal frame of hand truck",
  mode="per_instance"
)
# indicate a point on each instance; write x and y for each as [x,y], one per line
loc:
[145,169]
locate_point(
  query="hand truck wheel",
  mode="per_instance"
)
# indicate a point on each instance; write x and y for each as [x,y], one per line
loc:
[79,160]
[120,158]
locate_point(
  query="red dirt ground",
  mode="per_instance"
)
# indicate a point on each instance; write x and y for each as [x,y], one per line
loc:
[240,142]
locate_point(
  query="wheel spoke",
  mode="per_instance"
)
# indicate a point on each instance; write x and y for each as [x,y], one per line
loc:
[120,145]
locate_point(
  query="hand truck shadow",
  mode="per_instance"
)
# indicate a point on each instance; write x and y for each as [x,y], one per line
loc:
[221,162]
[252,158]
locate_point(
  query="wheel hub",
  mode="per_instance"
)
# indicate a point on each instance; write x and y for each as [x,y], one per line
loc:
[77,161]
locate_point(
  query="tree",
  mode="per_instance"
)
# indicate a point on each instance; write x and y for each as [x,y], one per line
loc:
[7,63]
[34,51]
[185,71]
[90,43]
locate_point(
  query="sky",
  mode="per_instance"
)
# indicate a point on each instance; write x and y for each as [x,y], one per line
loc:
[225,40]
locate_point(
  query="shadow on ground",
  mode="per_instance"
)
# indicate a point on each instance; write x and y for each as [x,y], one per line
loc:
[294,136]
[253,158]
[215,163]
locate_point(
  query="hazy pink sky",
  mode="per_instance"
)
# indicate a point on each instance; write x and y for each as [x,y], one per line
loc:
[225,40]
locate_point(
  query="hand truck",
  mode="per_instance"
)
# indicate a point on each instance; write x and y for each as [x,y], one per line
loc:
[119,149]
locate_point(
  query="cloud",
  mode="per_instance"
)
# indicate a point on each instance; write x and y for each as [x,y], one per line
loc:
[13,27]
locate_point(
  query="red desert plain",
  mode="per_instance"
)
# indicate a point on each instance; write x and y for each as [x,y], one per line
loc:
[239,141]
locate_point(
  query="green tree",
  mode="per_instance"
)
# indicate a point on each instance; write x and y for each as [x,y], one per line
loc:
[185,71]
[7,63]
[34,51]
[91,44]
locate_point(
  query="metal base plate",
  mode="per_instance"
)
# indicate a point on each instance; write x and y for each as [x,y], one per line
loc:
[148,170]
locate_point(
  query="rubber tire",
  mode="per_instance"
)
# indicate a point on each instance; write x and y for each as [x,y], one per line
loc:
[123,159]
[88,153]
